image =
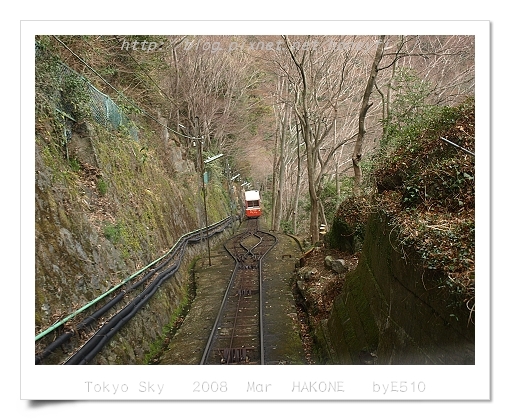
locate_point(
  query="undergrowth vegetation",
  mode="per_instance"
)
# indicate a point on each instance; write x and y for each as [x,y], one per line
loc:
[109,200]
[427,187]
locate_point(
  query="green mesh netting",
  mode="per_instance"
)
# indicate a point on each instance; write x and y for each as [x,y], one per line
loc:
[102,108]
[106,112]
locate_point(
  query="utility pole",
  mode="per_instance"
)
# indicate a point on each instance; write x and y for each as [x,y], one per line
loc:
[230,188]
[200,146]
[337,185]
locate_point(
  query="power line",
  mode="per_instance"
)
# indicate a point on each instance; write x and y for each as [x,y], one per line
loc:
[147,74]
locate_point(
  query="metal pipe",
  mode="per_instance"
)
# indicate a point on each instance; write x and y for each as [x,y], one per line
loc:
[456,145]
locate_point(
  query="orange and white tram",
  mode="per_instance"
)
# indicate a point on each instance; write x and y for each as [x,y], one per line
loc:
[252,204]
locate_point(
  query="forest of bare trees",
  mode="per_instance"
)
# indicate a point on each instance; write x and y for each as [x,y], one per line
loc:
[294,114]
[337,96]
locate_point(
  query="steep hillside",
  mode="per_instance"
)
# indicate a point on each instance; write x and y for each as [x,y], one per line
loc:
[431,195]
[411,299]
[110,197]
[427,188]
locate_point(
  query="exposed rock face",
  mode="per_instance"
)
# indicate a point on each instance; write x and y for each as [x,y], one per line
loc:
[100,221]
[394,311]
[308,273]
[337,265]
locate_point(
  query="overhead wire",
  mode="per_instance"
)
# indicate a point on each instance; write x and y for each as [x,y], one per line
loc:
[145,72]
[122,95]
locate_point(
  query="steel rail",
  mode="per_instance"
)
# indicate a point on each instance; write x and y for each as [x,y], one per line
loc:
[237,243]
[261,305]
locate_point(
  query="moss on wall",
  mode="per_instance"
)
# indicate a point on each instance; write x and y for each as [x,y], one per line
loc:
[118,207]
[393,310]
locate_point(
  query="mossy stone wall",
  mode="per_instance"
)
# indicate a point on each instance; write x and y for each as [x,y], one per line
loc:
[88,240]
[392,310]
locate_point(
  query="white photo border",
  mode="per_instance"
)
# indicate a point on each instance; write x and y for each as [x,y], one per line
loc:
[285,383]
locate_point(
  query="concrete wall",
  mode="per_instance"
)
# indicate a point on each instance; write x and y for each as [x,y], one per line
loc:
[392,310]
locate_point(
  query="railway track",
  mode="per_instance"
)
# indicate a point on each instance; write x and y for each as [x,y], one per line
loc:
[237,336]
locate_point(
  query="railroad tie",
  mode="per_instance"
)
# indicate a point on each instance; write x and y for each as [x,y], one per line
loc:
[234,355]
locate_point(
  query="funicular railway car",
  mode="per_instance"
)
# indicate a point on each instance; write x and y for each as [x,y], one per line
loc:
[252,204]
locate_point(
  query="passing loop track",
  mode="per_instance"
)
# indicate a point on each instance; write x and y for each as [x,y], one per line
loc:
[237,336]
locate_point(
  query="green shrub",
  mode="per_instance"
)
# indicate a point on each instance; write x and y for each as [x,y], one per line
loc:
[113,232]
[102,186]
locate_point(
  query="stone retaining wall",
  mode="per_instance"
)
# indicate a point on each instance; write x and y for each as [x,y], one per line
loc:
[394,311]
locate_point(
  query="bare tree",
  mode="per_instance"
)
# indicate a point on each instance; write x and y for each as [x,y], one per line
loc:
[213,84]
[443,65]
[282,115]
[324,82]
[365,106]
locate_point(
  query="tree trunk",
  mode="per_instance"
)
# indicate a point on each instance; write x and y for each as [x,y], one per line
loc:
[281,176]
[275,186]
[298,186]
[314,200]
[365,106]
